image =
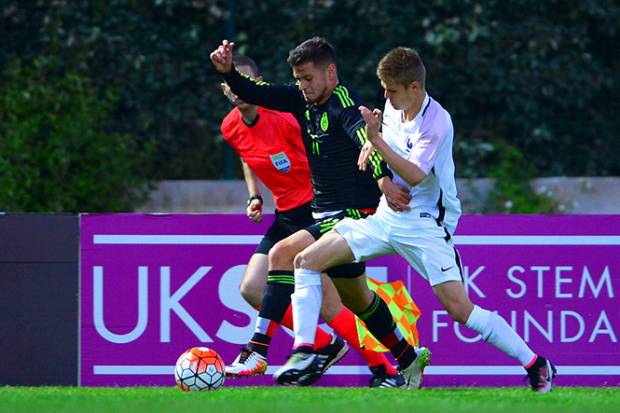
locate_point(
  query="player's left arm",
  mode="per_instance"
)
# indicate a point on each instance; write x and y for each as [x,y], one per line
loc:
[413,170]
[354,126]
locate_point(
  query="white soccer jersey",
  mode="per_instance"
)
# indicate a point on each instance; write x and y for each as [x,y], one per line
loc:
[427,142]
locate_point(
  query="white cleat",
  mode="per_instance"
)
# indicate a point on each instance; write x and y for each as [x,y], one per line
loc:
[248,363]
[413,373]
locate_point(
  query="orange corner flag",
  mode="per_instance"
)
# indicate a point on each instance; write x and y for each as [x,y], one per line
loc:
[404,311]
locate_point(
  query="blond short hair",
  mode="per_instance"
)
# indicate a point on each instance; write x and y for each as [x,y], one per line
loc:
[401,65]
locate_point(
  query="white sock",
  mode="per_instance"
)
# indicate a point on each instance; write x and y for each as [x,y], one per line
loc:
[495,330]
[306,301]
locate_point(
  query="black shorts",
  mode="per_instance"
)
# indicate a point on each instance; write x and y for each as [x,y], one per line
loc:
[321,226]
[286,223]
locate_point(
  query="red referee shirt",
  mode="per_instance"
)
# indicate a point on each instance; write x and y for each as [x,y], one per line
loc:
[273,149]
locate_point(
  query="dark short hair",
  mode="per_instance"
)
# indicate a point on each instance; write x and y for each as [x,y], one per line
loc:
[240,60]
[401,65]
[316,50]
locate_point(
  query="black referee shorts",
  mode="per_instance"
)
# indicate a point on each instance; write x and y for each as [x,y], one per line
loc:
[286,223]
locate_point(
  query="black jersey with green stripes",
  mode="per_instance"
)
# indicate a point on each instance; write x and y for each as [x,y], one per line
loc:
[333,134]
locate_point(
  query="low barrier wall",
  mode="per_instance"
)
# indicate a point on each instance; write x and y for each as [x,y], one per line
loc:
[38,299]
[154,285]
[149,286]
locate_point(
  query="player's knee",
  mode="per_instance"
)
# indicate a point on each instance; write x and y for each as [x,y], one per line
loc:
[306,259]
[281,256]
[252,292]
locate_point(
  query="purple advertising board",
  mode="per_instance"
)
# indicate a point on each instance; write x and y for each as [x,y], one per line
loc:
[154,285]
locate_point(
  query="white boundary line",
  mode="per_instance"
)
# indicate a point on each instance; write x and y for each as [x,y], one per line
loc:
[122,239]
[354,370]
[125,239]
[158,239]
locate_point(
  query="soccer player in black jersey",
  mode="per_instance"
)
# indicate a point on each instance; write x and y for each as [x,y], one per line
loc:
[334,132]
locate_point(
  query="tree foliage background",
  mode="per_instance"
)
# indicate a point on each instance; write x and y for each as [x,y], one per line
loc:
[55,151]
[541,76]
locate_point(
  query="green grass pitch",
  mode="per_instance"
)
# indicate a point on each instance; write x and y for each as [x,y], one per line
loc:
[301,400]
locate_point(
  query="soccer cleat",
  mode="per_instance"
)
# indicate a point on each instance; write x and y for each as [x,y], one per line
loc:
[413,373]
[382,380]
[248,363]
[304,369]
[541,376]
[300,368]
[331,353]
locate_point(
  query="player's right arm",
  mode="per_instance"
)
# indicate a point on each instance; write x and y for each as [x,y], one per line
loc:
[254,210]
[408,170]
[277,97]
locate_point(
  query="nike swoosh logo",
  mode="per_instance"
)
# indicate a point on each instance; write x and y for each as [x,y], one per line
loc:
[446,269]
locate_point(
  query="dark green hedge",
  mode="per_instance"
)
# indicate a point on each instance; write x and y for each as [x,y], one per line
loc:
[541,76]
[55,152]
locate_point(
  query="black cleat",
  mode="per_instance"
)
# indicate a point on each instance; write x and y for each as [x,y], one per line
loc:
[381,379]
[541,375]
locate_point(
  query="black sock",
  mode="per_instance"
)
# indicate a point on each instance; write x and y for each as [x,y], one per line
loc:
[277,298]
[260,344]
[540,362]
[380,323]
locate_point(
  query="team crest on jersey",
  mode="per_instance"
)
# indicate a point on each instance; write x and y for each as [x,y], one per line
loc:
[281,162]
[324,122]
[409,143]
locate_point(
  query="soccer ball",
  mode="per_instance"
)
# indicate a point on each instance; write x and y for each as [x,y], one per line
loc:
[199,368]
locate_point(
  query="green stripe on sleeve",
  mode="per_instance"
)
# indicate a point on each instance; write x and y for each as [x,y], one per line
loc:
[345,95]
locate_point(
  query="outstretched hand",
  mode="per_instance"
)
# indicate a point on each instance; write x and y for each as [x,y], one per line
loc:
[222,57]
[373,122]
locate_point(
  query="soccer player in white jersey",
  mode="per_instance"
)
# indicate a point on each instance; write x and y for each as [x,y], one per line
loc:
[416,142]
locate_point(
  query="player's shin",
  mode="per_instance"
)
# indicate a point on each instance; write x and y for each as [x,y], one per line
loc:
[306,301]
[380,323]
[496,331]
[276,300]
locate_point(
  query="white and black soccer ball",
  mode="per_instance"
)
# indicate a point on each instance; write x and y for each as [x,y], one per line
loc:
[198,369]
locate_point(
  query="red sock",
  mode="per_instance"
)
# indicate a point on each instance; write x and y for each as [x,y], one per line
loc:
[345,325]
[321,337]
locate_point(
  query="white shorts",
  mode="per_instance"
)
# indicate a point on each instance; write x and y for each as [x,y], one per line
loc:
[419,240]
